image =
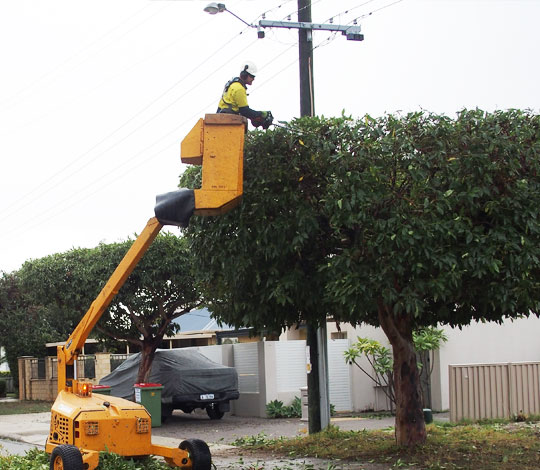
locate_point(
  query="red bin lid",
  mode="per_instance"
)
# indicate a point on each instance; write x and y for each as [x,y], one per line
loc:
[146,385]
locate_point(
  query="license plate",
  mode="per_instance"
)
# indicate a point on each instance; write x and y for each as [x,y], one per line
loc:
[208,396]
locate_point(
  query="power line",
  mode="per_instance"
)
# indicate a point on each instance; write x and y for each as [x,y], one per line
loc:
[177,40]
[298,11]
[80,190]
[332,36]
[349,10]
[61,207]
[38,188]
[53,72]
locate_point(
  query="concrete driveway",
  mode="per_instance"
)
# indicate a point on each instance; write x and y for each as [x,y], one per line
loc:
[230,428]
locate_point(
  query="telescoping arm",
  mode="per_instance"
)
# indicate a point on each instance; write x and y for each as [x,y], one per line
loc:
[68,353]
[217,144]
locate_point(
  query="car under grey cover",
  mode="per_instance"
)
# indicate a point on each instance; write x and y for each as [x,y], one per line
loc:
[190,380]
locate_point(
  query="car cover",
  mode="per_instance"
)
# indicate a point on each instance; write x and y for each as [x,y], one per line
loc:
[180,371]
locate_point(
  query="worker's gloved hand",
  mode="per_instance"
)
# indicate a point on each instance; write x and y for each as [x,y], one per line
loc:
[268,119]
[265,120]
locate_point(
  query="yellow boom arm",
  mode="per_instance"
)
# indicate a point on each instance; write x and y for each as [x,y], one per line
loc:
[217,144]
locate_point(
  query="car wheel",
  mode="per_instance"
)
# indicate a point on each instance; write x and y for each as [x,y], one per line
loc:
[66,457]
[214,412]
[166,412]
[198,452]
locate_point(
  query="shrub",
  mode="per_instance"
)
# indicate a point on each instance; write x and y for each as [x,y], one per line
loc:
[276,409]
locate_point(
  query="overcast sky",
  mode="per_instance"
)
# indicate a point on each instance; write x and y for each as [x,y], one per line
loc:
[96,96]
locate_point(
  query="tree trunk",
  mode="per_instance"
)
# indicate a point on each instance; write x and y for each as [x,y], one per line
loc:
[147,357]
[410,425]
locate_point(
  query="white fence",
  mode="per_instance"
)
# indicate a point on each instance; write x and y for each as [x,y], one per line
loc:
[276,370]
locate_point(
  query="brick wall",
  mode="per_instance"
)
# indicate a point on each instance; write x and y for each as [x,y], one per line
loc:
[46,388]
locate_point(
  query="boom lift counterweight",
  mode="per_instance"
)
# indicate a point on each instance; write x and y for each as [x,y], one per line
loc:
[84,423]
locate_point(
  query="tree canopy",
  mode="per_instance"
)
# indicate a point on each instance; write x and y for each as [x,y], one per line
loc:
[25,328]
[397,221]
[62,287]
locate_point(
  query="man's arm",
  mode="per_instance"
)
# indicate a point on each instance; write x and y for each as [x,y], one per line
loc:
[249,113]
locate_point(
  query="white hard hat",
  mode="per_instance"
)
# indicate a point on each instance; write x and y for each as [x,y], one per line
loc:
[249,67]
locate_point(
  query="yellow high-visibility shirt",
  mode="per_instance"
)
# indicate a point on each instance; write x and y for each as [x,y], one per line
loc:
[234,98]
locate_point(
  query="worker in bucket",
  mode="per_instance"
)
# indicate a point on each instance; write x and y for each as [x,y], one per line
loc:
[234,98]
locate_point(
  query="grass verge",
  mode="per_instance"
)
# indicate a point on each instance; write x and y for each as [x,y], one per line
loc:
[24,407]
[491,446]
[39,460]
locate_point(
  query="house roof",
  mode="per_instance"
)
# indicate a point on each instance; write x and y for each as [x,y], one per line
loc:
[199,320]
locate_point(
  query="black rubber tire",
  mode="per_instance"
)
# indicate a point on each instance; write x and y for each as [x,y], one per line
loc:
[66,457]
[166,412]
[199,453]
[213,411]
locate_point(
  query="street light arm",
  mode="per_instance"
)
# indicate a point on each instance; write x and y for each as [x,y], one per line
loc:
[245,22]
[214,8]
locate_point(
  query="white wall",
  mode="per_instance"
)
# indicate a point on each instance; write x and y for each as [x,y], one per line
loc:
[276,370]
[511,341]
[4,366]
[363,392]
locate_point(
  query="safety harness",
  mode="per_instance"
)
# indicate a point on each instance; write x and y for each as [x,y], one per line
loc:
[229,109]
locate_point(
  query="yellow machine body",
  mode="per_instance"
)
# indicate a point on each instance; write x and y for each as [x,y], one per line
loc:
[217,143]
[99,422]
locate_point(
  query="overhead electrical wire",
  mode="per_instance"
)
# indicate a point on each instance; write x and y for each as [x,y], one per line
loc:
[332,36]
[348,10]
[55,71]
[288,17]
[60,208]
[263,15]
[132,66]
[73,203]
[108,136]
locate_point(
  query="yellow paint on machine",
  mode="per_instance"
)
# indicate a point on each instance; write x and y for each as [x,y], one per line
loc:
[217,143]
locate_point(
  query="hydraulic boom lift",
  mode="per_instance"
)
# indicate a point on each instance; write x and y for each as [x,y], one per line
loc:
[84,423]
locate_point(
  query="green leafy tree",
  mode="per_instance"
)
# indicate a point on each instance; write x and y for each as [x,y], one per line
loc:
[25,327]
[400,222]
[259,265]
[159,290]
[439,222]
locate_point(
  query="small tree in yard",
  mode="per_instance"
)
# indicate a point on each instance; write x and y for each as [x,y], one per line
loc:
[25,327]
[379,358]
[159,290]
[426,341]
[400,222]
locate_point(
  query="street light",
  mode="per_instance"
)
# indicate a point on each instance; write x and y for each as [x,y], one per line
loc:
[214,8]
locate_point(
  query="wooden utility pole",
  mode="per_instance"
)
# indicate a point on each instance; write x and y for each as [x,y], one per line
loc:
[318,399]
[305,50]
